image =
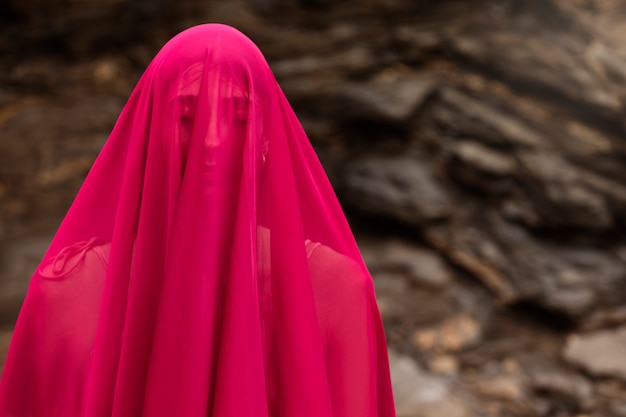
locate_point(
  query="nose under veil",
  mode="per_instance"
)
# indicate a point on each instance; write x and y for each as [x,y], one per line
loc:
[205,267]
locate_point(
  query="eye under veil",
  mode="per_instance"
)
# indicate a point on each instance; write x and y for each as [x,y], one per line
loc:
[205,267]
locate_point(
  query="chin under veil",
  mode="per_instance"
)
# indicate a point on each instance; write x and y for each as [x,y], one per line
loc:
[205,267]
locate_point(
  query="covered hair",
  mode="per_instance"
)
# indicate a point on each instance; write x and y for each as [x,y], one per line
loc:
[205,267]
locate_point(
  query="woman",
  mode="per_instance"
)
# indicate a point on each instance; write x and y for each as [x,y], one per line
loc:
[205,267]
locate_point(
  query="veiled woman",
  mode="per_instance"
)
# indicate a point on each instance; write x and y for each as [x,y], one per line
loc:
[205,267]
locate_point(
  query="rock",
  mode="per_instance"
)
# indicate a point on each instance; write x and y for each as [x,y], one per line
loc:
[517,266]
[399,301]
[611,190]
[10,305]
[570,389]
[558,196]
[418,394]
[393,100]
[417,37]
[5,340]
[610,317]
[64,172]
[618,409]
[547,56]
[444,365]
[481,167]
[454,334]
[415,287]
[423,266]
[607,61]
[106,71]
[474,251]
[502,387]
[44,158]
[484,159]
[467,117]
[600,353]
[18,264]
[356,58]
[399,188]
[390,288]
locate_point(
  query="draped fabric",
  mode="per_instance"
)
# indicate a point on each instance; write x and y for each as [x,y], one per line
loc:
[205,267]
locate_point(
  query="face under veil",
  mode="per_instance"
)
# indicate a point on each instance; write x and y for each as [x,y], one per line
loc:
[205,267]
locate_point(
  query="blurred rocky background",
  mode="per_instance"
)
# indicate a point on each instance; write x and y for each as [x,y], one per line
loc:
[479,148]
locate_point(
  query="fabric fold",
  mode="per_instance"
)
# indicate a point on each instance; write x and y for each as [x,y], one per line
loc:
[205,267]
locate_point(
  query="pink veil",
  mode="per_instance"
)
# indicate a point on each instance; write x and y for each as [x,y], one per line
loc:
[205,267]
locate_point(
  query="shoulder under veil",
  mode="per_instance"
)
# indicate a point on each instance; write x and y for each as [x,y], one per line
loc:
[205,267]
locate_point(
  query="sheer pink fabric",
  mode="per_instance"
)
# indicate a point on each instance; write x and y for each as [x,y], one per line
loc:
[205,267]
